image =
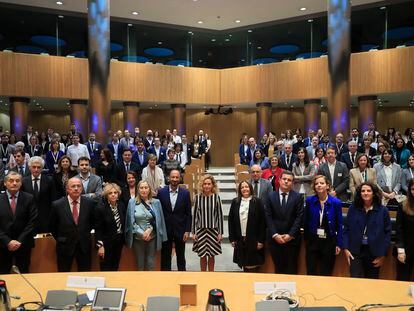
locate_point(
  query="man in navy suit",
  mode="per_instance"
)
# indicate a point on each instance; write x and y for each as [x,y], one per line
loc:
[308,140]
[176,206]
[288,158]
[94,149]
[140,155]
[159,151]
[284,213]
[116,148]
[18,214]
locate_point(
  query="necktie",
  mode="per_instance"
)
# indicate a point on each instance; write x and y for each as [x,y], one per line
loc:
[284,200]
[13,204]
[36,187]
[21,170]
[256,188]
[127,167]
[287,160]
[75,212]
[353,158]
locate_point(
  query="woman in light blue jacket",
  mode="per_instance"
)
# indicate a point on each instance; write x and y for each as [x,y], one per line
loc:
[145,227]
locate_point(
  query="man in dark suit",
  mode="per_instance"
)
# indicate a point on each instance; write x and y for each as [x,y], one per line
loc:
[325,143]
[356,137]
[176,206]
[149,140]
[140,156]
[18,214]
[337,173]
[125,166]
[26,136]
[288,158]
[94,149]
[340,147]
[1,175]
[349,157]
[21,167]
[116,148]
[299,144]
[261,187]
[42,188]
[284,213]
[159,151]
[71,222]
[308,140]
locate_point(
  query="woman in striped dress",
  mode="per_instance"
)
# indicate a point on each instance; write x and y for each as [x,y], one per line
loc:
[207,223]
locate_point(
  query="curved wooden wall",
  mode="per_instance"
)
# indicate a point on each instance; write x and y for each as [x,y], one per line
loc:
[387,71]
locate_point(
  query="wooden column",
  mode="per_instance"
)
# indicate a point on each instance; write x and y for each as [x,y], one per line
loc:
[367,111]
[263,118]
[78,116]
[312,115]
[131,113]
[19,111]
[179,118]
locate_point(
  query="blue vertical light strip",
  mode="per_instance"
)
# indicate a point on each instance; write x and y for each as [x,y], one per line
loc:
[339,54]
[99,66]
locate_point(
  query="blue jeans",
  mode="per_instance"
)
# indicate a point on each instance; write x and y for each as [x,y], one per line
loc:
[145,254]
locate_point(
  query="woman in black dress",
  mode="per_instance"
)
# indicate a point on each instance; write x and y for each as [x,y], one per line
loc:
[63,173]
[106,167]
[404,238]
[247,228]
[110,222]
[130,190]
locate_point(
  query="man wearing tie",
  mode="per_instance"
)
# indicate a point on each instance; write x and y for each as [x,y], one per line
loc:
[350,157]
[176,206]
[261,187]
[140,155]
[284,213]
[42,188]
[21,167]
[94,149]
[125,166]
[18,214]
[71,222]
[288,158]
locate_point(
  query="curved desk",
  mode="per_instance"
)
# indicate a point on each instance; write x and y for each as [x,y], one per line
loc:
[237,287]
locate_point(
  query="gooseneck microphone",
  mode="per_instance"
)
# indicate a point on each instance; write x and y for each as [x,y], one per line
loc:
[16,270]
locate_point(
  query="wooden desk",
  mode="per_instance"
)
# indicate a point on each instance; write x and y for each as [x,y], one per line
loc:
[237,287]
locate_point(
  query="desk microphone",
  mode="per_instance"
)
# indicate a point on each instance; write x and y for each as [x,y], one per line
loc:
[16,270]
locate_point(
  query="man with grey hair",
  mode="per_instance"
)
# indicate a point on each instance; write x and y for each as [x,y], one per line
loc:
[261,187]
[349,157]
[42,188]
[288,158]
[18,214]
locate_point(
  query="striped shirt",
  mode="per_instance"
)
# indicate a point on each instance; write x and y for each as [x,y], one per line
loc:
[208,213]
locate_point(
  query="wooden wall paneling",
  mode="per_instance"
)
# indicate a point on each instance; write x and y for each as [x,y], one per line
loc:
[224,131]
[398,117]
[155,119]
[58,120]
[117,120]
[287,118]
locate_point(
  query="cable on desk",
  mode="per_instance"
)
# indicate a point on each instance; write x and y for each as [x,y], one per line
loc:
[330,295]
[383,305]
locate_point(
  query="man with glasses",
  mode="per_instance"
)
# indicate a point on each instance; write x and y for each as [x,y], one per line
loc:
[261,187]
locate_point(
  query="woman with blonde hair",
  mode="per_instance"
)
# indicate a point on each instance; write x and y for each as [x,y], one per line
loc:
[145,227]
[361,173]
[207,228]
[110,227]
[153,175]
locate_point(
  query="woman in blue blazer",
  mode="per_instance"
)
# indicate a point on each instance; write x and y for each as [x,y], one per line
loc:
[145,227]
[323,228]
[367,232]
[53,156]
[401,153]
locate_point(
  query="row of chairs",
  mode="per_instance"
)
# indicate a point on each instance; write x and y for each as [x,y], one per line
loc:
[193,173]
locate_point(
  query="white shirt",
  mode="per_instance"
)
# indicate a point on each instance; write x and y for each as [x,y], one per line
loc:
[176,139]
[75,152]
[173,197]
[388,176]
[332,170]
[38,182]
[302,185]
[244,214]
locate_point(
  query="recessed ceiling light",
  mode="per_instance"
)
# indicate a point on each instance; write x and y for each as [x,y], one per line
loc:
[159,42]
[302,9]
[61,16]
[190,33]
[259,47]
[134,13]
[199,22]
[213,40]
[310,20]
[230,36]
[59,2]
[383,8]
[249,30]
[227,40]
[129,25]
[200,61]
[237,21]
